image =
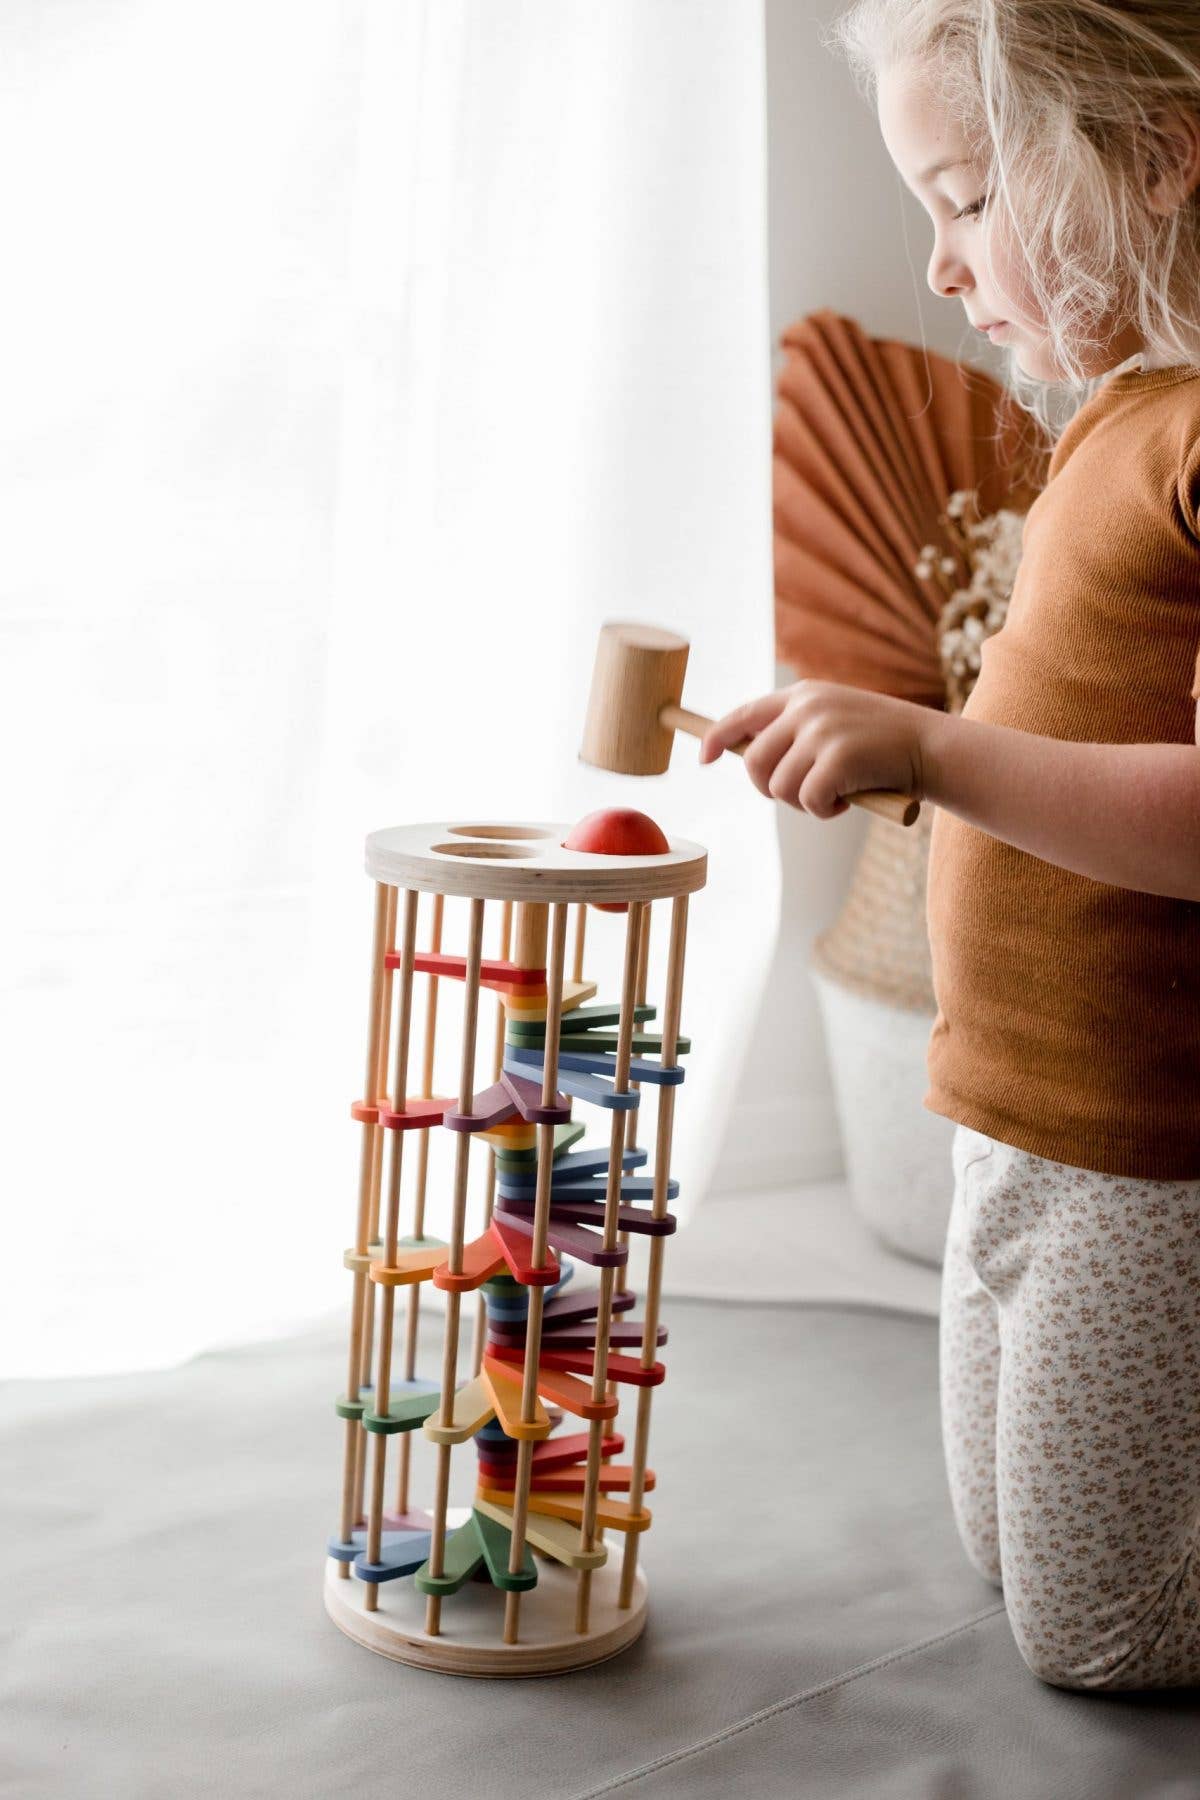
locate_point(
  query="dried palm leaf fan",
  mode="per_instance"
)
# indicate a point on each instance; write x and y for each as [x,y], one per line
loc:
[871,438]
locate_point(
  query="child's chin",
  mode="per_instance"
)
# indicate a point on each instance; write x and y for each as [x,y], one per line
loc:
[1036,364]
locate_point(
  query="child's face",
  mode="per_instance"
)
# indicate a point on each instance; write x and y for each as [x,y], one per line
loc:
[920,132]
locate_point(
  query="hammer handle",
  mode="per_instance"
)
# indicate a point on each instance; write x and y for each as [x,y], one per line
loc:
[903,809]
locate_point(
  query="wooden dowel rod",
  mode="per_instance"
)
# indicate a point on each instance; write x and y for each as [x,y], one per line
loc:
[354,1431]
[387,1302]
[378,1134]
[435,943]
[662,1168]
[489,1192]
[580,933]
[633,1116]
[541,1228]
[366,1334]
[466,1095]
[413,1305]
[634,943]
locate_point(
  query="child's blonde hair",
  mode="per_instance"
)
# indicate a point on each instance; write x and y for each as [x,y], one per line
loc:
[1068,104]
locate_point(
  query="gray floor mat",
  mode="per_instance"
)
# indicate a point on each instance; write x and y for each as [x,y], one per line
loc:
[954,1717]
[815,1628]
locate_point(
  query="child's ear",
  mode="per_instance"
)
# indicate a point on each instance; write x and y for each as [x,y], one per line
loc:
[1172,164]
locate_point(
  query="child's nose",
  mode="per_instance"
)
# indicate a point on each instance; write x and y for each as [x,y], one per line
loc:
[948,275]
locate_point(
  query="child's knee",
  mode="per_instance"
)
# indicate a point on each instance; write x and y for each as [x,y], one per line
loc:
[985,1560]
[1086,1652]
[1056,1667]
[980,1539]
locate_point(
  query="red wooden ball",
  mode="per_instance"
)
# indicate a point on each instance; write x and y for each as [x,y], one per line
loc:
[616,831]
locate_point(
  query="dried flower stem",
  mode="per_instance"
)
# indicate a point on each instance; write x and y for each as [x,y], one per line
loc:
[988,550]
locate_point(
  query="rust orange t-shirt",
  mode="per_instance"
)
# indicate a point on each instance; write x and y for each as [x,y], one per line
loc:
[1068,1019]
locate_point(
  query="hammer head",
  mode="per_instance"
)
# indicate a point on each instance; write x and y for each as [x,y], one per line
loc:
[639,670]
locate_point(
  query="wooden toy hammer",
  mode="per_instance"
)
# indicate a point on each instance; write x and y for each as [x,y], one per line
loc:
[634,712]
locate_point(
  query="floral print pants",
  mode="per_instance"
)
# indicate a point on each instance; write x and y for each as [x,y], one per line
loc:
[1069,1353]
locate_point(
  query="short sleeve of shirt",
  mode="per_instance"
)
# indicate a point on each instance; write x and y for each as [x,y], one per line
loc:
[1188,490]
[1188,487]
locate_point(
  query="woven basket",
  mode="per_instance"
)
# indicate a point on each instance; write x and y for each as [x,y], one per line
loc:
[879,943]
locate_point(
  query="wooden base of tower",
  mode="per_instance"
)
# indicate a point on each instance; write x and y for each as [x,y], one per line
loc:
[470,1642]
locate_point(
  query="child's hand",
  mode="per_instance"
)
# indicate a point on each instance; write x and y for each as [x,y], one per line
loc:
[816,742]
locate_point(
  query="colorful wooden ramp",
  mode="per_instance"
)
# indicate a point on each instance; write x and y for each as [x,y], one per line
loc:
[534,1178]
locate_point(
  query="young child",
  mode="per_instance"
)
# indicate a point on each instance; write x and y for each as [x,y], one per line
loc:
[1056,149]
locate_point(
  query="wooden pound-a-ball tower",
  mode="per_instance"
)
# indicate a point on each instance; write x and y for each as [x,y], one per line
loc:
[523,1581]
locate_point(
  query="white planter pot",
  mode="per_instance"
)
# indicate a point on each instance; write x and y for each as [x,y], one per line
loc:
[897,1153]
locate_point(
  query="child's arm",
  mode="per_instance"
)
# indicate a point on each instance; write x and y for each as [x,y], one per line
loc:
[1126,814]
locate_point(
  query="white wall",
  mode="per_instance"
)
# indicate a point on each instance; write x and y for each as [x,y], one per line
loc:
[844,232]
[359,361]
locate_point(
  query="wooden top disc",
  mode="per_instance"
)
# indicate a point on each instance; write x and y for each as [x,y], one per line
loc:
[502,861]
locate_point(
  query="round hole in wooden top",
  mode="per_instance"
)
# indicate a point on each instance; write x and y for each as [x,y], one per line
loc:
[481,850]
[511,833]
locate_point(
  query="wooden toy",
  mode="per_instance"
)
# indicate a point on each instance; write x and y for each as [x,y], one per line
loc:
[523,1581]
[634,711]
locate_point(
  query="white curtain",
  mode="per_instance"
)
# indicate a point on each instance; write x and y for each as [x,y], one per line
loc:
[359,361]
